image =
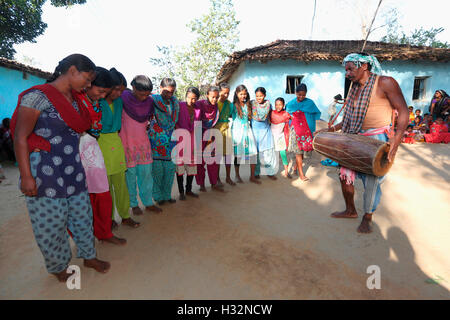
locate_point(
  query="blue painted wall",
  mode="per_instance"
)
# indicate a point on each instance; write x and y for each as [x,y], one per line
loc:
[325,79]
[11,85]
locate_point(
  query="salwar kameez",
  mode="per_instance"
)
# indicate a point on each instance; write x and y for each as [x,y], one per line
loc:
[244,144]
[264,139]
[62,199]
[138,151]
[114,156]
[209,117]
[96,175]
[160,132]
[185,163]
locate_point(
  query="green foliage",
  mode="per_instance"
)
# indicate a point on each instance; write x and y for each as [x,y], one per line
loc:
[20,21]
[419,37]
[198,63]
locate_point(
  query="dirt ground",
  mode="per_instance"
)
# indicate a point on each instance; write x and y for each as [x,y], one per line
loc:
[274,241]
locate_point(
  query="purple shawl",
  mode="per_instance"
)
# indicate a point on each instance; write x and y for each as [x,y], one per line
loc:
[184,120]
[139,111]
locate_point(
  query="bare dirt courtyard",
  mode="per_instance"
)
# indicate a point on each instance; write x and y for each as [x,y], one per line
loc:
[273,241]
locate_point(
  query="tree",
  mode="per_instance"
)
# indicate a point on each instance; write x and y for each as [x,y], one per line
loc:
[419,37]
[20,21]
[198,63]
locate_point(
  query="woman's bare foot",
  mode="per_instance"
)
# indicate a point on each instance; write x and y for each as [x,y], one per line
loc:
[131,223]
[115,240]
[366,224]
[137,211]
[154,209]
[114,225]
[254,180]
[202,189]
[272,177]
[219,183]
[97,265]
[239,180]
[191,194]
[63,275]
[217,188]
[303,179]
[171,201]
[230,182]
[345,214]
[182,197]
[258,177]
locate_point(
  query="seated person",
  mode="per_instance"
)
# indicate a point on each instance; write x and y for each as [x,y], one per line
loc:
[420,136]
[418,114]
[409,135]
[438,132]
[412,116]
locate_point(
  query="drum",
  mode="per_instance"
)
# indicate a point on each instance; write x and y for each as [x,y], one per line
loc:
[353,151]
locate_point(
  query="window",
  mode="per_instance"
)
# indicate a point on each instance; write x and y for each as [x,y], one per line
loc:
[419,88]
[292,82]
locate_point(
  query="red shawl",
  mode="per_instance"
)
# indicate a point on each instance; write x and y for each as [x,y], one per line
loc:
[280,117]
[304,136]
[79,122]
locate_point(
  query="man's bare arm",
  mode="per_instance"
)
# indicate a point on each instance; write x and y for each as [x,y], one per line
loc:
[395,96]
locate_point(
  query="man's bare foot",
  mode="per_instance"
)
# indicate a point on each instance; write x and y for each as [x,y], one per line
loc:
[217,188]
[63,275]
[114,225]
[97,265]
[202,189]
[239,180]
[137,211]
[272,177]
[131,223]
[345,214]
[366,224]
[254,180]
[115,240]
[153,209]
[191,194]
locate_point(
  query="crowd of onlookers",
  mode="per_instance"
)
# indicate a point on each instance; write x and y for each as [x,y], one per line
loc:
[432,127]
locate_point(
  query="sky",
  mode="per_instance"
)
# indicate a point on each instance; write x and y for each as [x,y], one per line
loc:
[126,34]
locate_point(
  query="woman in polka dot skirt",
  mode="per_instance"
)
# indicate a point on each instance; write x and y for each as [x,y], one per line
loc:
[46,127]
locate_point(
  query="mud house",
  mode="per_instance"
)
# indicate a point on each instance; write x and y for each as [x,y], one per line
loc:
[14,78]
[281,65]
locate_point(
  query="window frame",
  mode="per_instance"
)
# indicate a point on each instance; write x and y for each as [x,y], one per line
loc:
[300,78]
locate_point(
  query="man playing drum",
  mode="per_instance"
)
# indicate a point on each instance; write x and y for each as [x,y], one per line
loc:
[370,104]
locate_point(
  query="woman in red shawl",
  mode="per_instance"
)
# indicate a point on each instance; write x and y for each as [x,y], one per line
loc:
[300,141]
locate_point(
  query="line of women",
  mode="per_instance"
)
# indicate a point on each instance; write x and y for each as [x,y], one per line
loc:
[88,147]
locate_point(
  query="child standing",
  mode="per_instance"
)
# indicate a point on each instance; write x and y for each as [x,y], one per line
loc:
[280,130]
[209,116]
[263,135]
[189,114]
[224,106]
[243,140]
